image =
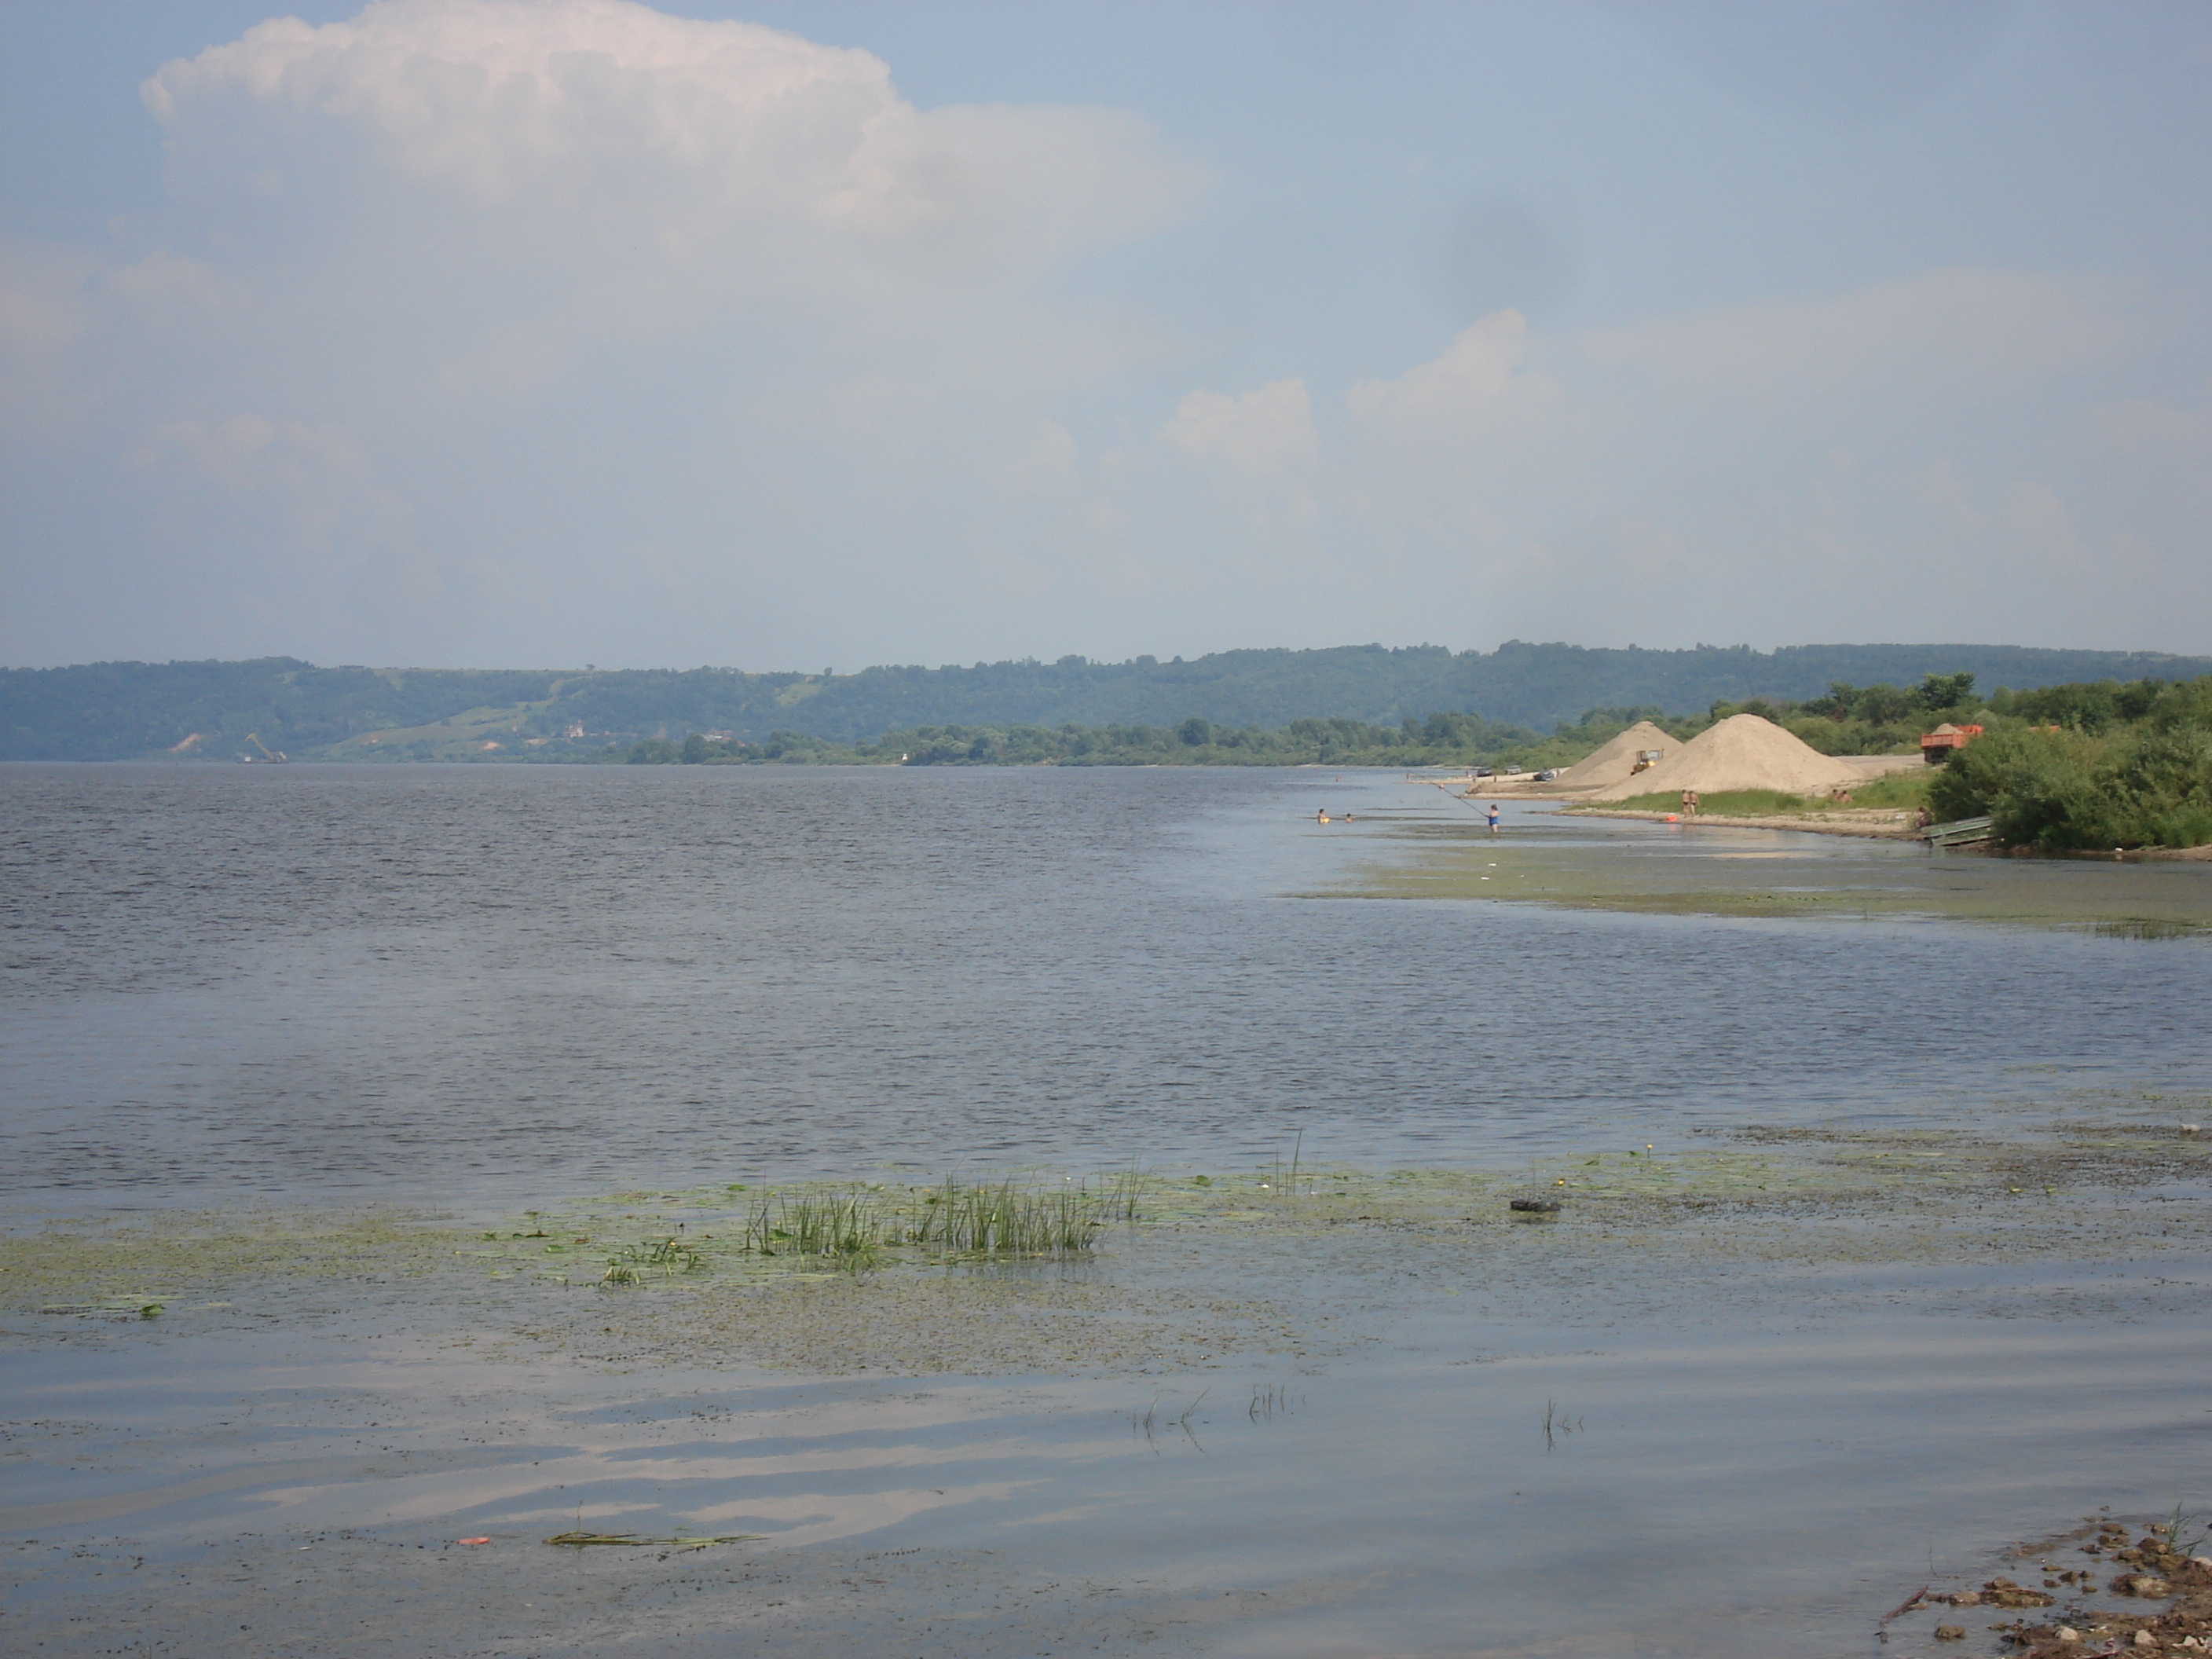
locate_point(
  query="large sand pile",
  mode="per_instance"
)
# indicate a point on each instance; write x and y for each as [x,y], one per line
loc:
[1611,764]
[1742,752]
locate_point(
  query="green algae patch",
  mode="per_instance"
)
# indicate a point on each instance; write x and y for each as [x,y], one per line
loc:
[1284,1211]
[1190,1270]
[1762,874]
[849,1227]
[174,1261]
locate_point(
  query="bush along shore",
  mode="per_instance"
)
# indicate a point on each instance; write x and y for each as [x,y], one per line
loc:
[2098,767]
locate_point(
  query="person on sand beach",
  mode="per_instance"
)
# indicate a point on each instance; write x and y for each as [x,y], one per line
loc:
[1494,818]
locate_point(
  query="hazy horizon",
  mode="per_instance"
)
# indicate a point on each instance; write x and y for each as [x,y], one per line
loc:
[1134,659]
[478,332]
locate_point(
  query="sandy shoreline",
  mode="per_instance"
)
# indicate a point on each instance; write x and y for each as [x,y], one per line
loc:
[1883,825]
[1879,825]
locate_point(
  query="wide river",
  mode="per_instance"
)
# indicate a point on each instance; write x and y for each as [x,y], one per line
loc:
[480,985]
[480,990]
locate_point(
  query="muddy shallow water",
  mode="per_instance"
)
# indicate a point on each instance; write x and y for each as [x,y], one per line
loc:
[1649,867]
[1882,1245]
[1748,1393]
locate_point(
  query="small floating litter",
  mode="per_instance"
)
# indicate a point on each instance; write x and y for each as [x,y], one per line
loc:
[1534,1205]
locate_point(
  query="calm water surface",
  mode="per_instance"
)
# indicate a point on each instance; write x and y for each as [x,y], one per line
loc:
[483,988]
[481,985]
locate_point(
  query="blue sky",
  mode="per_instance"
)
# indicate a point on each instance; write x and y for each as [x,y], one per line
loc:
[781,335]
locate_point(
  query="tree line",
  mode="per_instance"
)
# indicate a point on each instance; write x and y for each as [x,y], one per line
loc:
[2084,764]
[112,711]
[1437,740]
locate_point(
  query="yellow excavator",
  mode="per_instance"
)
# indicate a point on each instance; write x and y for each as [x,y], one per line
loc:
[268,756]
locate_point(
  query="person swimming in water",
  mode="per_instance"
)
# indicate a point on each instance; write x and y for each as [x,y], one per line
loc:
[1322,817]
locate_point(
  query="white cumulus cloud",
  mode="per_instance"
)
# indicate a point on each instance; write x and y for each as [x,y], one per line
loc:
[1264,430]
[1480,375]
[687,140]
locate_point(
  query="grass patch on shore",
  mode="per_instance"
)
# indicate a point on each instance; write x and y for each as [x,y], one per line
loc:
[1906,789]
[1767,803]
[1891,792]
[1734,803]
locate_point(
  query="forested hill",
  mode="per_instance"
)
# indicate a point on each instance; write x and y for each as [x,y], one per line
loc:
[111,711]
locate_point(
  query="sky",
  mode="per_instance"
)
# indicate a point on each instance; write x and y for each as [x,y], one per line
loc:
[795,335]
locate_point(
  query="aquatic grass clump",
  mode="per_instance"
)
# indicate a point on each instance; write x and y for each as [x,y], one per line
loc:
[851,1228]
[986,1220]
[860,1228]
[638,1262]
[1125,1193]
[845,1231]
[2173,1533]
[2151,928]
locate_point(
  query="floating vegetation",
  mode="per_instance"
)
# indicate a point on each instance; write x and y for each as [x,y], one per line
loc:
[856,1229]
[639,1541]
[994,1275]
[126,1309]
[638,1262]
[164,1267]
[2152,928]
[1772,874]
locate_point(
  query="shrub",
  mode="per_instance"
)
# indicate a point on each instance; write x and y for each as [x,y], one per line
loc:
[2067,789]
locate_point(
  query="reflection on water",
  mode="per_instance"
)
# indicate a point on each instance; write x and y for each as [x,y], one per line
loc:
[1720,1496]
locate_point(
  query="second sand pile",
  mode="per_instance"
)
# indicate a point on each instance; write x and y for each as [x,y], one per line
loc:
[1618,758]
[1742,752]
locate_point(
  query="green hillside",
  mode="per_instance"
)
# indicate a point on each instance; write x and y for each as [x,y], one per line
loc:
[114,711]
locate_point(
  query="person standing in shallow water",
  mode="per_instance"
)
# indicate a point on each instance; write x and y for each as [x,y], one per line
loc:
[1494,818]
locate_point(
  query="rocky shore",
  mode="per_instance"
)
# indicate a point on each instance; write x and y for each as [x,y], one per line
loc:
[2159,1601]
